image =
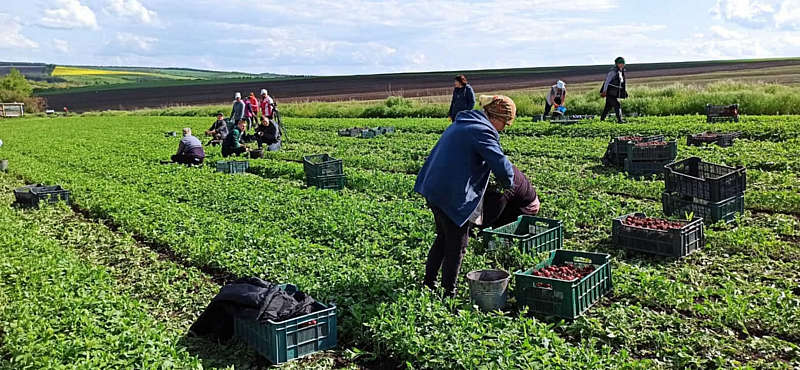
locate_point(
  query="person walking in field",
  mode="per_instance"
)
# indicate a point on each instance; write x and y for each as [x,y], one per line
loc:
[232,144]
[463,97]
[614,88]
[266,104]
[237,113]
[454,179]
[556,97]
[190,150]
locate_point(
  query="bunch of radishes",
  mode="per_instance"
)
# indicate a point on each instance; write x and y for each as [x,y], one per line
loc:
[566,272]
[652,223]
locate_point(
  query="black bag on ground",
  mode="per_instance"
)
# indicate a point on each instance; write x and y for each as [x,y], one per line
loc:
[251,299]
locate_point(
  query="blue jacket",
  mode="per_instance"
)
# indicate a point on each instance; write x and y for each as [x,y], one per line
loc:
[456,172]
[463,99]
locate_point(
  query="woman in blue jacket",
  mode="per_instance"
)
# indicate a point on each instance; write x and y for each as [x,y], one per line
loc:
[463,97]
[454,178]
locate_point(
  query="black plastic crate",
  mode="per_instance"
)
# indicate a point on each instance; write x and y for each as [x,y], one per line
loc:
[617,149]
[723,140]
[566,299]
[644,168]
[707,181]
[722,113]
[670,243]
[321,165]
[667,152]
[710,212]
[332,182]
[34,195]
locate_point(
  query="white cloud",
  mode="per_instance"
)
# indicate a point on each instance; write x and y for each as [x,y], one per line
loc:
[788,16]
[71,14]
[61,45]
[11,34]
[130,9]
[748,12]
[134,43]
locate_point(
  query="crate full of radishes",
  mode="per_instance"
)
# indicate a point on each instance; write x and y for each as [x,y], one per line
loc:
[617,150]
[637,232]
[566,284]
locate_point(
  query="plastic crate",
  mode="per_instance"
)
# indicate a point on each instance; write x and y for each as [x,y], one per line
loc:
[666,152]
[722,113]
[617,149]
[529,233]
[321,165]
[291,339]
[34,195]
[383,130]
[670,243]
[707,181]
[644,168]
[566,299]
[351,132]
[710,212]
[332,182]
[233,166]
[723,140]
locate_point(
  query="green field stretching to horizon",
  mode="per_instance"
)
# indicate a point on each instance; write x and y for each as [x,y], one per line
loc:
[115,280]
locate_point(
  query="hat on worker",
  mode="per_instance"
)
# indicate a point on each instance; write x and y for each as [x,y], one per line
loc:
[499,106]
[560,84]
[263,91]
[238,95]
[619,60]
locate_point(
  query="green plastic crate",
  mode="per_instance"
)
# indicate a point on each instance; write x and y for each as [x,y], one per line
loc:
[710,212]
[566,299]
[529,233]
[669,243]
[332,182]
[291,339]
[233,166]
[321,165]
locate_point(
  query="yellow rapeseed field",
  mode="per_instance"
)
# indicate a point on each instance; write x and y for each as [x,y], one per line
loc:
[78,71]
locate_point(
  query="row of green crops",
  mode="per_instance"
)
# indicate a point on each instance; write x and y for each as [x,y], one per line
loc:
[364,247]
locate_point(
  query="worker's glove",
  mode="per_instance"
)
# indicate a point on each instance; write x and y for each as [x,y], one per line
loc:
[603,94]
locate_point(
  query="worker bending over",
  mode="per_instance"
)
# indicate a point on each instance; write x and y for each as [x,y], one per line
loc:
[557,96]
[190,150]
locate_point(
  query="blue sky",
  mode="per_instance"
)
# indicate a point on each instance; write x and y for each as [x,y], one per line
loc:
[323,37]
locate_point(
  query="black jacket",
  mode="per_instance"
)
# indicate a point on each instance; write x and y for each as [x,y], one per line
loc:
[615,84]
[270,133]
[249,299]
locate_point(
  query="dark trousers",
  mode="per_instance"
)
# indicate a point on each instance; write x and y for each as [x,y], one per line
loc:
[228,151]
[547,108]
[612,103]
[187,159]
[447,252]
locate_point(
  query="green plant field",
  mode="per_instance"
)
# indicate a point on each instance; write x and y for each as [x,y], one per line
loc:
[154,242]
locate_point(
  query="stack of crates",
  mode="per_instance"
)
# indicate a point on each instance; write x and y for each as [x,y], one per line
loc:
[639,155]
[710,191]
[324,172]
[722,113]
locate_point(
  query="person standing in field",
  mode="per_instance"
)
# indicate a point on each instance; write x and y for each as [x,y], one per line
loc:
[557,96]
[614,88]
[232,145]
[454,179]
[190,150]
[237,113]
[266,104]
[463,97]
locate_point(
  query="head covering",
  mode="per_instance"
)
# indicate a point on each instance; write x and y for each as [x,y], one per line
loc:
[560,84]
[499,106]
[220,114]
[619,60]
[263,91]
[238,95]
